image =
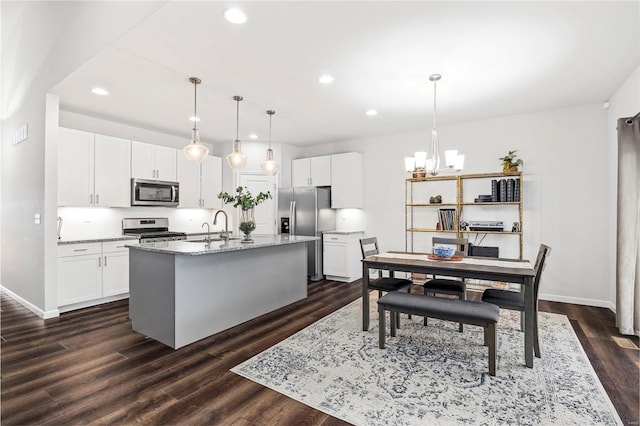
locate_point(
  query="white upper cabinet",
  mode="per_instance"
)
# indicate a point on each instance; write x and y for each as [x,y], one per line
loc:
[313,171]
[346,179]
[211,182]
[189,180]
[93,170]
[75,167]
[153,162]
[112,171]
[200,183]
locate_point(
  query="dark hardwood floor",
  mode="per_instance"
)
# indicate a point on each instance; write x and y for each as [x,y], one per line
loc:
[88,366]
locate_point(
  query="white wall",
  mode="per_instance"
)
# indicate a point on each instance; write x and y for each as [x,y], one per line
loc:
[563,151]
[625,102]
[32,63]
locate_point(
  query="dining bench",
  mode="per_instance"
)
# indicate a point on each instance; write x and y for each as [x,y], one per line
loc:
[460,311]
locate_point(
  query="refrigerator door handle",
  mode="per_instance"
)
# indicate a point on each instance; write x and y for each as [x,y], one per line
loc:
[292,218]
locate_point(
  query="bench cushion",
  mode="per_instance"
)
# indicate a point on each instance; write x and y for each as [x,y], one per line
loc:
[465,311]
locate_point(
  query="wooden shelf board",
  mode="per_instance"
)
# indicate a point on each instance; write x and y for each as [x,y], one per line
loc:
[491,232]
[430,230]
[492,203]
[431,204]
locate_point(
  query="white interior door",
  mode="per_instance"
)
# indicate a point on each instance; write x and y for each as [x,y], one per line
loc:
[265,213]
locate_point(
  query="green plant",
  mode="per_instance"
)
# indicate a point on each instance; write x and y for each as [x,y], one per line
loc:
[243,198]
[511,160]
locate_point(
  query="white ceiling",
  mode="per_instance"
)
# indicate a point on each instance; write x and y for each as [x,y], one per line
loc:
[496,58]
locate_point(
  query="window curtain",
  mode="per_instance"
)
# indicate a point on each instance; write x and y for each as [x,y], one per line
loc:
[628,241]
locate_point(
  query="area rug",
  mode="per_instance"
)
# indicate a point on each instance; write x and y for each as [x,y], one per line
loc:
[434,375]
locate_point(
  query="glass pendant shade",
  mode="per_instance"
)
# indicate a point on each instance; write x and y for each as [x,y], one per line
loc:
[450,157]
[195,151]
[434,153]
[269,166]
[409,163]
[237,159]
[421,159]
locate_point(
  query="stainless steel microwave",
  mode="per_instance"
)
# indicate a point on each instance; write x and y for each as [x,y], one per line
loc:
[154,193]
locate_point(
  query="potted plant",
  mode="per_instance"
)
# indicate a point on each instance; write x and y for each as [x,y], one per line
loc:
[247,202]
[510,162]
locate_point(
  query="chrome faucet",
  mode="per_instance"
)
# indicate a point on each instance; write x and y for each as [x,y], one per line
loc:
[224,235]
[208,230]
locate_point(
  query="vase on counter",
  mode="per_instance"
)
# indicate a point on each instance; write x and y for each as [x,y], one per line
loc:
[247,224]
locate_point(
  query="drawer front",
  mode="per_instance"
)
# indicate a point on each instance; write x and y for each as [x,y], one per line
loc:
[79,249]
[111,246]
[336,238]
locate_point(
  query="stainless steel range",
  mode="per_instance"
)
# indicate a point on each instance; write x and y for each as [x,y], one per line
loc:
[150,230]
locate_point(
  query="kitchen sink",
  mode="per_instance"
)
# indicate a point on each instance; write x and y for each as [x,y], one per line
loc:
[212,240]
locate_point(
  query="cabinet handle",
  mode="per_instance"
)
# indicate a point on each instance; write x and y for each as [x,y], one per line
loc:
[333,238]
[105,261]
[84,249]
[99,261]
[97,199]
[91,199]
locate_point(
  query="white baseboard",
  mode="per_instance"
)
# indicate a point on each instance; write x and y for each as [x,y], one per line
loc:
[94,302]
[33,308]
[578,301]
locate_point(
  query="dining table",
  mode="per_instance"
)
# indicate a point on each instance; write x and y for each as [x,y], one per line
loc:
[516,271]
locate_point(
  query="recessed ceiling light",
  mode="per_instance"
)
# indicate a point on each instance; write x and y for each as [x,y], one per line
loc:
[192,118]
[326,79]
[372,112]
[235,16]
[253,136]
[99,91]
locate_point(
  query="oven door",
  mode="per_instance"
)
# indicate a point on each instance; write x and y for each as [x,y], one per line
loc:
[154,193]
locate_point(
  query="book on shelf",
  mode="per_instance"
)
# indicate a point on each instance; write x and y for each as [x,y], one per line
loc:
[516,190]
[502,197]
[510,186]
[494,190]
[447,219]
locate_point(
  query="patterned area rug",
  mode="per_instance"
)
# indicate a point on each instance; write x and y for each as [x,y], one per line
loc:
[434,374]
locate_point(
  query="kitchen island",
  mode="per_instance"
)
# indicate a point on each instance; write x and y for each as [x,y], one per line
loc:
[183,291]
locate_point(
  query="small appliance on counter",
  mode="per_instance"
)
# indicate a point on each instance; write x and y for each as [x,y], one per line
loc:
[150,230]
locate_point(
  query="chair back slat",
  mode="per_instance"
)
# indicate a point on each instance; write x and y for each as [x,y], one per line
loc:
[462,244]
[369,246]
[543,253]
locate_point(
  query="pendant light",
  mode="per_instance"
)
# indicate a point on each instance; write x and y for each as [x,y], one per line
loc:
[195,151]
[434,147]
[237,160]
[270,166]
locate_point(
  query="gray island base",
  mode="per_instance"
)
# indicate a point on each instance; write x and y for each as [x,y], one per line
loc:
[181,291]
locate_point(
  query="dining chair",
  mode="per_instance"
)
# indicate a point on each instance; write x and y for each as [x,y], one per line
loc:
[514,300]
[369,247]
[449,286]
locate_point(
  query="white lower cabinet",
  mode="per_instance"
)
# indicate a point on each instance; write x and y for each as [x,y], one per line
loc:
[115,268]
[91,272]
[341,256]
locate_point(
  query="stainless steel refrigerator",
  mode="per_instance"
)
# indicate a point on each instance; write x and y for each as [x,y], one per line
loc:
[307,211]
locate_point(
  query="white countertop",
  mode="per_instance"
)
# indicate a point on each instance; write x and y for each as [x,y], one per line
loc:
[343,232]
[192,248]
[97,240]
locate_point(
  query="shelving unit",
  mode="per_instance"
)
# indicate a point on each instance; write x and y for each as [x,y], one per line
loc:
[418,211]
